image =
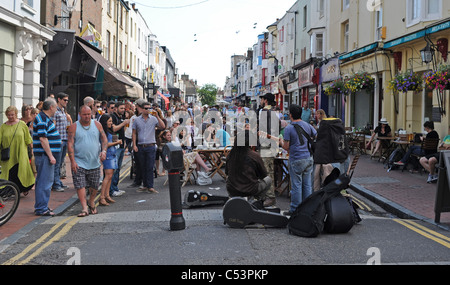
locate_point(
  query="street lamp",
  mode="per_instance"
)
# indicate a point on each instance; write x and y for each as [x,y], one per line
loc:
[427,53]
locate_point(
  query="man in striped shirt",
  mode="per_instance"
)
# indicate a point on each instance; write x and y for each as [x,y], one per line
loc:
[46,144]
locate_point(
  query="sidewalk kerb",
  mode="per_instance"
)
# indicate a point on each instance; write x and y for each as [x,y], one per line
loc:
[392,207]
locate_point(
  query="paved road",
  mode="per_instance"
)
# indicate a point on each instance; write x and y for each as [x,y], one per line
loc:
[136,230]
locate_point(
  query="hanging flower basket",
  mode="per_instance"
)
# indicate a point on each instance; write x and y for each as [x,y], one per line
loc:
[336,87]
[407,81]
[360,81]
[439,79]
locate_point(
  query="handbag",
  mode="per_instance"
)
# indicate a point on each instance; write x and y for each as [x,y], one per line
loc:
[6,151]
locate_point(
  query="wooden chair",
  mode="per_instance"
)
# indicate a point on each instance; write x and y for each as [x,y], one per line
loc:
[188,173]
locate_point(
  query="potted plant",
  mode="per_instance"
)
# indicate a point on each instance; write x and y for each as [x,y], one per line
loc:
[336,87]
[439,79]
[360,81]
[406,81]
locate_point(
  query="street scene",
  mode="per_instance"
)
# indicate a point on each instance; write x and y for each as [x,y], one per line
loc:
[319,135]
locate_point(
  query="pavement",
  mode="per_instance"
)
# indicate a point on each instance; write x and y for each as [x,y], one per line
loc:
[404,194]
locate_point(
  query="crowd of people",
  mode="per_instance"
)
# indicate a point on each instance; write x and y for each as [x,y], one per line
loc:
[41,139]
[104,132]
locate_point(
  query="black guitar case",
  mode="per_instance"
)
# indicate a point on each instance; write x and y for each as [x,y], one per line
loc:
[200,199]
[238,213]
[341,215]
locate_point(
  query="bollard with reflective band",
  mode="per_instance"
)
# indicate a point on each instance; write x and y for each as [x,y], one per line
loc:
[173,162]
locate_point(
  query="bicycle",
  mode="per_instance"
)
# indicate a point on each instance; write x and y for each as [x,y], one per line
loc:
[9,200]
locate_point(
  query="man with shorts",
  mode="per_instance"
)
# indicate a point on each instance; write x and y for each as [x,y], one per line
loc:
[85,153]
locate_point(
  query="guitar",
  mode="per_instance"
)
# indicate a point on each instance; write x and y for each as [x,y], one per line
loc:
[238,213]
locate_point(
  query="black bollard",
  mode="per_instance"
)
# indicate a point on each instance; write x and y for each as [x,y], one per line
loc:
[177,219]
[173,163]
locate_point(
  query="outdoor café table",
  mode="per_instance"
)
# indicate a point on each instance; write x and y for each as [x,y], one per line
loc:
[281,174]
[390,147]
[216,157]
[403,144]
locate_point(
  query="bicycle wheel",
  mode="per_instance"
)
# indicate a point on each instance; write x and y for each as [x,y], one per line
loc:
[9,200]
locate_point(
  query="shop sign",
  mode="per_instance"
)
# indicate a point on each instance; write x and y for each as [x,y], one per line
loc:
[330,71]
[305,76]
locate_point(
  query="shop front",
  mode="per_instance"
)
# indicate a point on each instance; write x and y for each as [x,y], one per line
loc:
[307,85]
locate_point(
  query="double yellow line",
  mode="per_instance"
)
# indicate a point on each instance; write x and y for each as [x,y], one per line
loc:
[69,221]
[46,240]
[426,232]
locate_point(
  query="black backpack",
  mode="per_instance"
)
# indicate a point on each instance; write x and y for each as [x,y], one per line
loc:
[331,142]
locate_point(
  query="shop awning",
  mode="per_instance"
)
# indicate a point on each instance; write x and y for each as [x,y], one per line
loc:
[166,100]
[109,69]
[114,87]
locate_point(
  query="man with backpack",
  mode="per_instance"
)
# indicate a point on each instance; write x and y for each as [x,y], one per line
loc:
[297,137]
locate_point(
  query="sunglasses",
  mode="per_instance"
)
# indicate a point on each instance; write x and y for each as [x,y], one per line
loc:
[147,108]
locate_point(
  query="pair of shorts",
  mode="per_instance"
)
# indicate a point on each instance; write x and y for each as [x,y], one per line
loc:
[86,178]
[110,163]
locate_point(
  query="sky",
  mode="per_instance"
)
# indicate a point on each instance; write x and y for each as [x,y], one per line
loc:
[202,35]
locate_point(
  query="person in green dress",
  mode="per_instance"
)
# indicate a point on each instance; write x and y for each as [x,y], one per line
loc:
[14,133]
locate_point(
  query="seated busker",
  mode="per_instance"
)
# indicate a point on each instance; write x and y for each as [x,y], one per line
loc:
[246,173]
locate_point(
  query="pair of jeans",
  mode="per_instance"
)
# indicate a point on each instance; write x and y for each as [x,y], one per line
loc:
[414,149]
[147,163]
[300,172]
[115,179]
[59,157]
[44,181]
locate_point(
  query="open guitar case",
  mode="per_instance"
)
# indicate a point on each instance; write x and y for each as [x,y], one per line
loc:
[340,211]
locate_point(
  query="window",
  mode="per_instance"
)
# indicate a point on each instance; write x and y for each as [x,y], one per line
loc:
[120,55]
[281,34]
[321,7]
[378,23]
[151,47]
[345,4]
[319,45]
[422,10]
[131,27]
[305,16]
[107,45]
[108,7]
[346,28]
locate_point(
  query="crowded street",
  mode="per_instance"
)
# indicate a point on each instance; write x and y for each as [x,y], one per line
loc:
[225,140]
[105,238]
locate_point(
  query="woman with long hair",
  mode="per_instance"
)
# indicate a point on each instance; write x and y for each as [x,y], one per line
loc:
[191,157]
[246,173]
[110,163]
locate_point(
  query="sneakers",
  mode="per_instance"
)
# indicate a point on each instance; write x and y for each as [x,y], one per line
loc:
[399,163]
[60,189]
[432,178]
[118,193]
